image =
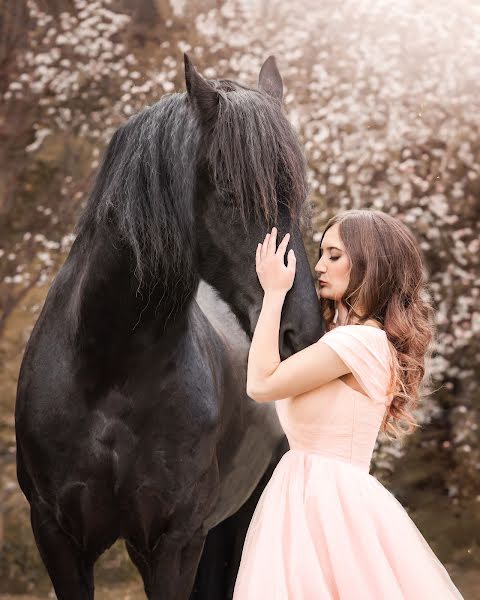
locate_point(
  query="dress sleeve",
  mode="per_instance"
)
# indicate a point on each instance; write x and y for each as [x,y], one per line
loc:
[365,351]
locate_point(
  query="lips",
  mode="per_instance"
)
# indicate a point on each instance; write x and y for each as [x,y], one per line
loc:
[322,282]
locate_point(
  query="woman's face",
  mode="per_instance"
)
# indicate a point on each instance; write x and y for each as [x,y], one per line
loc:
[333,268]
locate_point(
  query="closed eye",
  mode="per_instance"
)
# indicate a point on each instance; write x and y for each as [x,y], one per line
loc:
[331,257]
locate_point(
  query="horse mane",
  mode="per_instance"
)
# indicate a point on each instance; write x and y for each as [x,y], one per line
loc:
[145,184]
[146,181]
[254,153]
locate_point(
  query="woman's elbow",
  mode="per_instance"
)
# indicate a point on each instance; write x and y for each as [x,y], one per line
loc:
[254,394]
[258,395]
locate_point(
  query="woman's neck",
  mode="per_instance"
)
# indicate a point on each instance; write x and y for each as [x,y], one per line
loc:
[343,316]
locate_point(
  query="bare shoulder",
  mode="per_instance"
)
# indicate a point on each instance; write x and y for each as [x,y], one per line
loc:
[369,323]
[373,323]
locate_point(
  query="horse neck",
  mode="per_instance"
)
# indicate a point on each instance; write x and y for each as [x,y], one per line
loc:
[106,297]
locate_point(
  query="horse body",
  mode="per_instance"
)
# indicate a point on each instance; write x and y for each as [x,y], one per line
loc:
[132,419]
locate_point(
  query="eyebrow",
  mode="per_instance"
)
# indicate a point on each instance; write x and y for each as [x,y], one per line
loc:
[331,248]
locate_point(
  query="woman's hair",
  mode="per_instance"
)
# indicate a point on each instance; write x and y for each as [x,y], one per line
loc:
[388,284]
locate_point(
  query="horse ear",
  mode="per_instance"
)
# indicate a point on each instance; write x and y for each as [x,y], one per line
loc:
[270,80]
[200,91]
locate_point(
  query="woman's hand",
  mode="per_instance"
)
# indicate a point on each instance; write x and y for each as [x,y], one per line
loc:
[274,276]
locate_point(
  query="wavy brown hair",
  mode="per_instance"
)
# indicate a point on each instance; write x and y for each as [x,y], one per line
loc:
[388,283]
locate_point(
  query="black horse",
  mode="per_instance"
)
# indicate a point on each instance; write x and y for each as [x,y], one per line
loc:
[132,419]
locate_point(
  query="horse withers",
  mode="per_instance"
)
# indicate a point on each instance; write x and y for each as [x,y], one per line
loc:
[132,419]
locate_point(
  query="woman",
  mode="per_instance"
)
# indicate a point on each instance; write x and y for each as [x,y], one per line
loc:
[324,528]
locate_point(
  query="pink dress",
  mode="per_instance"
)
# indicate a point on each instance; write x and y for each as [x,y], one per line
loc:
[324,528]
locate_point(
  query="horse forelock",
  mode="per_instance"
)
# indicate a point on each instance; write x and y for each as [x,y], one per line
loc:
[254,154]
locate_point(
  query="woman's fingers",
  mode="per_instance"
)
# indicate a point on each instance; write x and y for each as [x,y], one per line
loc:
[272,242]
[291,260]
[265,246]
[269,246]
[283,246]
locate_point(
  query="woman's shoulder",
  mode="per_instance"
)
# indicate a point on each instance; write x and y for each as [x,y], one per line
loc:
[364,350]
[359,327]
[366,337]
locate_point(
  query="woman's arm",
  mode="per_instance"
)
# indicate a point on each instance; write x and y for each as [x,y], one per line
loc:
[268,378]
[264,357]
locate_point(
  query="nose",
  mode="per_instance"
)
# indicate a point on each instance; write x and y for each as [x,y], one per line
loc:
[319,270]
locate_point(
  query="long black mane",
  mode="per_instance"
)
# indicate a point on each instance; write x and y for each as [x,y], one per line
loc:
[254,155]
[146,181]
[145,184]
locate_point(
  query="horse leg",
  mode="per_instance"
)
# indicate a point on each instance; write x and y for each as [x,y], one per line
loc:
[168,571]
[222,552]
[70,572]
[140,561]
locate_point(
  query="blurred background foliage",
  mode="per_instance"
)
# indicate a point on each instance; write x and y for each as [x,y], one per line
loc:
[385,98]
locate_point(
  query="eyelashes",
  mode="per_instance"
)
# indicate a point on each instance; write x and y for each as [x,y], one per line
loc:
[331,258]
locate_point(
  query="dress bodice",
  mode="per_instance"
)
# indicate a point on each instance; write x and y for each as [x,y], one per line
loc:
[335,419]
